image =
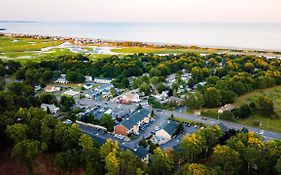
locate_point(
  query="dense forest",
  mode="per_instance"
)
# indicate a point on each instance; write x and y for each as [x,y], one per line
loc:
[29,131]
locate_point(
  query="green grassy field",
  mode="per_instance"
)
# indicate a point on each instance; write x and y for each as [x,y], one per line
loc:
[274,93]
[131,50]
[268,123]
[9,44]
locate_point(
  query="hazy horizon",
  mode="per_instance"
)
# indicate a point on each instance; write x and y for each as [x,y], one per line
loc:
[239,11]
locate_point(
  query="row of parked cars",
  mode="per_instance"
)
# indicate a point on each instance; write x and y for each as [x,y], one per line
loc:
[142,127]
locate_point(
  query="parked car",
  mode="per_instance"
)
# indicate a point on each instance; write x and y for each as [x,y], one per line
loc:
[157,128]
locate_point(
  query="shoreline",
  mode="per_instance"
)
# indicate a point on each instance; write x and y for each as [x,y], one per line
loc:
[121,43]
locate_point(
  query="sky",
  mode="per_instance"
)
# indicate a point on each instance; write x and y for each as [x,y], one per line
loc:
[142,10]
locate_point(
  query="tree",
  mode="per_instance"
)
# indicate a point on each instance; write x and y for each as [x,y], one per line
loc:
[213,97]
[154,80]
[75,77]
[108,147]
[161,87]
[112,163]
[113,92]
[191,146]
[107,121]
[162,162]
[17,132]
[67,102]
[48,98]
[180,128]
[67,160]
[196,169]
[278,166]
[265,105]
[227,158]
[154,72]
[211,135]
[129,163]
[66,136]
[144,87]
[195,100]
[27,151]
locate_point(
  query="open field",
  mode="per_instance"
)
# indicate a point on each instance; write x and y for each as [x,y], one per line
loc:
[147,50]
[272,124]
[9,44]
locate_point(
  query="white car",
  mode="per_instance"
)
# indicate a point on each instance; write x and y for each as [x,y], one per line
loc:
[157,128]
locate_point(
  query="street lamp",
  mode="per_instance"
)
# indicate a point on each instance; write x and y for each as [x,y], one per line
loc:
[220,111]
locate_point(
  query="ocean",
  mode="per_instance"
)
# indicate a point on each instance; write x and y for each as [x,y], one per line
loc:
[263,36]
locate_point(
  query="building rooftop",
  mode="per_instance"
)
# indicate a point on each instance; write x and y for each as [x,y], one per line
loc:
[171,127]
[137,116]
[141,152]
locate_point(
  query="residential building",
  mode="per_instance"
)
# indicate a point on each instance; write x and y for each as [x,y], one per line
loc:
[103,80]
[132,123]
[130,97]
[62,79]
[167,132]
[53,109]
[51,89]
[71,93]
[142,154]
[226,108]
[88,86]
[88,78]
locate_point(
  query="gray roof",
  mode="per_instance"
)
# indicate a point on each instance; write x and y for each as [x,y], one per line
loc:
[137,116]
[223,127]
[141,152]
[171,127]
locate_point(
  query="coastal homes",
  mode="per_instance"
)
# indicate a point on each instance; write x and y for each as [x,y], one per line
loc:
[130,97]
[167,132]
[132,124]
[51,89]
[53,109]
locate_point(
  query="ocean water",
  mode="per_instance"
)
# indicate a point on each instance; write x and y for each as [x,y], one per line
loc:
[266,36]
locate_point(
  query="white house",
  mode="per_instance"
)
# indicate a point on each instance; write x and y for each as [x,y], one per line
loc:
[53,109]
[88,86]
[71,93]
[62,79]
[103,80]
[130,97]
[51,89]
[88,79]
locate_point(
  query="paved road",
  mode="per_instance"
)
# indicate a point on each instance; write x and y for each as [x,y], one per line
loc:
[161,119]
[267,134]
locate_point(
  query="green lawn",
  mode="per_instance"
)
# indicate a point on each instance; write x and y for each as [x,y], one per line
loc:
[9,44]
